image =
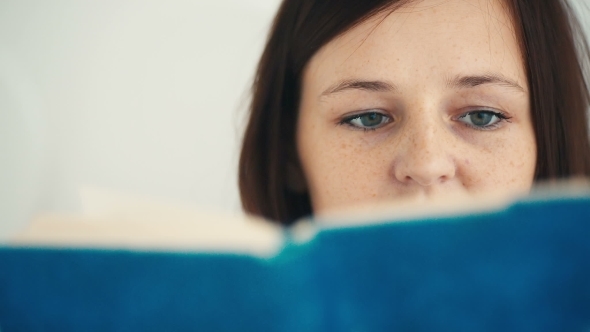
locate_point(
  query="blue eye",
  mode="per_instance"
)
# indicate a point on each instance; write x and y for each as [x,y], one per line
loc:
[483,119]
[367,121]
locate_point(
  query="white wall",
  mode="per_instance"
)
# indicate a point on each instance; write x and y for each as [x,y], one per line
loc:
[143,97]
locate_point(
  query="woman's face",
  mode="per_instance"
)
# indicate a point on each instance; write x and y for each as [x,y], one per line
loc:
[429,100]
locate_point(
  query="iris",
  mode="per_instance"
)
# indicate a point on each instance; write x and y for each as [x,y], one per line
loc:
[481,119]
[371,119]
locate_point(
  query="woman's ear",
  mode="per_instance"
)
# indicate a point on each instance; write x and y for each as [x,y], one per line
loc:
[295,179]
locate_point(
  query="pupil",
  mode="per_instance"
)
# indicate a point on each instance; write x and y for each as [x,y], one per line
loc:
[371,120]
[481,118]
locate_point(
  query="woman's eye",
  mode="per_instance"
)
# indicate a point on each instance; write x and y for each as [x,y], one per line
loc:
[367,121]
[482,119]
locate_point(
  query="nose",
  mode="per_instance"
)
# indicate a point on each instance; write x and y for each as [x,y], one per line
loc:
[425,156]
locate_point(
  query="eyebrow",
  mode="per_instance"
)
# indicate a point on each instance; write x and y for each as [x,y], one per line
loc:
[472,81]
[458,82]
[372,86]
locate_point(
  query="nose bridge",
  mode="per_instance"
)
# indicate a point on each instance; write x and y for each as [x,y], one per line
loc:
[424,135]
[426,154]
[422,131]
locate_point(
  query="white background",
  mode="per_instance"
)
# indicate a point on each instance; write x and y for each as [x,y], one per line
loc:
[144,97]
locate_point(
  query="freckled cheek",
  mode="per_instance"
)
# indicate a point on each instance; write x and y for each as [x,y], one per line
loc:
[344,171]
[500,166]
[523,163]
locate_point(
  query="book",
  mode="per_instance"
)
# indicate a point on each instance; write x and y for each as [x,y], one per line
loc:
[519,266]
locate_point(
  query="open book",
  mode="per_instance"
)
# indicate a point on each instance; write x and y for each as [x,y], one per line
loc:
[515,266]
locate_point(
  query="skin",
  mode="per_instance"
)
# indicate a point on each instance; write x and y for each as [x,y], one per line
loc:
[434,68]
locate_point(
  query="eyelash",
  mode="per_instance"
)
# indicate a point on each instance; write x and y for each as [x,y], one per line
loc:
[500,115]
[347,120]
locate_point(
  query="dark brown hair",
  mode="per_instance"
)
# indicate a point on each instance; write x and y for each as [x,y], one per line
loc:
[553,48]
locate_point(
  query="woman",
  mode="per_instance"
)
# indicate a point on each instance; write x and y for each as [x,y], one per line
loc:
[364,101]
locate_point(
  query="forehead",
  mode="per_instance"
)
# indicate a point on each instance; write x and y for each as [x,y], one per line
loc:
[424,40]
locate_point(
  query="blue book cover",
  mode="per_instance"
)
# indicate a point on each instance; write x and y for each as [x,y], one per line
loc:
[525,267]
